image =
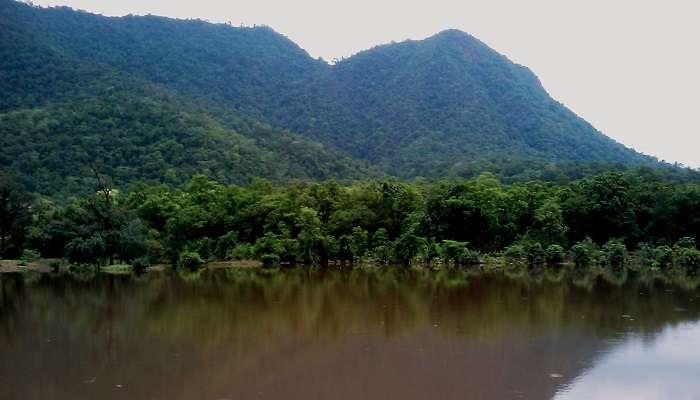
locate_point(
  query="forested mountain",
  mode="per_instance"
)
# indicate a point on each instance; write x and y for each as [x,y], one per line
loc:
[62,114]
[152,98]
[157,139]
[450,95]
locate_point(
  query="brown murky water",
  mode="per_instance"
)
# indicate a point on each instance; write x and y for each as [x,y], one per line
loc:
[347,334]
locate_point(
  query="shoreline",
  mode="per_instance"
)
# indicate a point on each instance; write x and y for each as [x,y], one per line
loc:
[44,266]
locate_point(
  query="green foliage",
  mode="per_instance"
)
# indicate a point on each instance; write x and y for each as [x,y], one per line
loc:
[554,254]
[548,226]
[688,259]
[602,207]
[190,260]
[382,247]
[383,221]
[535,253]
[86,250]
[646,254]
[664,256]
[155,140]
[659,257]
[15,215]
[358,242]
[313,245]
[685,243]
[408,246]
[585,253]
[515,253]
[140,264]
[432,252]
[469,257]
[241,251]
[686,256]
[99,229]
[454,251]
[132,240]
[269,260]
[30,255]
[224,244]
[615,253]
[268,244]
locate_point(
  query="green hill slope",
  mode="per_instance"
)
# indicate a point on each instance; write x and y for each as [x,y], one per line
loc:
[444,106]
[62,112]
[448,104]
[142,134]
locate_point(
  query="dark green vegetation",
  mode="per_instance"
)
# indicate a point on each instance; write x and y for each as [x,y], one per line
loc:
[157,100]
[154,138]
[61,114]
[600,219]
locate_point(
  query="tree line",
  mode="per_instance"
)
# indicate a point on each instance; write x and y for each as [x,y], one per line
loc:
[601,219]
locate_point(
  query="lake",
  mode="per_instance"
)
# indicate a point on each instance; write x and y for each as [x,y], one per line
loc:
[349,333]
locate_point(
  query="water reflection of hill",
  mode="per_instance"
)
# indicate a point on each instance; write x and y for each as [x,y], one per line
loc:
[322,334]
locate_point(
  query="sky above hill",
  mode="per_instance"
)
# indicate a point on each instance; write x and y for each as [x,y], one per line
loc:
[630,68]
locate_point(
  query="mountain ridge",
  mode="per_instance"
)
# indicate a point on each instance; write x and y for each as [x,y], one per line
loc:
[448,105]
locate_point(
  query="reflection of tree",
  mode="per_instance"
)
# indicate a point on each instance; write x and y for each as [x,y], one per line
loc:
[227,326]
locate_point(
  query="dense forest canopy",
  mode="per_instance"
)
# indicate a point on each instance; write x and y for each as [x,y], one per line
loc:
[156,99]
[594,220]
[151,136]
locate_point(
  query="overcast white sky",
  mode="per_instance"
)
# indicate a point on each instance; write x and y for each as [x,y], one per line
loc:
[631,68]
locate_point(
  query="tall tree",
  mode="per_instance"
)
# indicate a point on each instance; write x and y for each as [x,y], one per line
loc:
[15,216]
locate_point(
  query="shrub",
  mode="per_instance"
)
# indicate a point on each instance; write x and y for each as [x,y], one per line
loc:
[469,257]
[55,265]
[359,242]
[554,254]
[664,256]
[242,251]
[205,247]
[615,253]
[689,259]
[140,264]
[86,251]
[685,243]
[269,260]
[535,254]
[584,252]
[382,248]
[190,260]
[432,252]
[29,255]
[224,244]
[655,257]
[384,253]
[454,251]
[514,252]
[268,244]
[407,246]
[646,254]
[155,250]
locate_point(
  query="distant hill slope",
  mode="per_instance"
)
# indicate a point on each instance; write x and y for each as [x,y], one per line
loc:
[131,134]
[444,106]
[61,114]
[448,103]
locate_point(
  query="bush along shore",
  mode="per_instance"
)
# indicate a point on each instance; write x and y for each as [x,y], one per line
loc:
[612,219]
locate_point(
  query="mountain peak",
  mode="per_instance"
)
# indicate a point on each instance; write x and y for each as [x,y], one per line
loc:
[456,39]
[453,34]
